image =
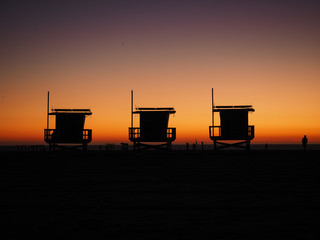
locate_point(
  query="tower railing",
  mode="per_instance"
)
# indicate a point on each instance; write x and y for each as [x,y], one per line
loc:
[215,132]
[134,134]
[171,133]
[49,135]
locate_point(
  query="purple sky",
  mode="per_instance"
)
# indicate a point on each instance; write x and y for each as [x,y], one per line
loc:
[264,53]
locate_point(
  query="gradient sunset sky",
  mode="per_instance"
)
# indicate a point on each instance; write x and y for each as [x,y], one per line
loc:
[90,54]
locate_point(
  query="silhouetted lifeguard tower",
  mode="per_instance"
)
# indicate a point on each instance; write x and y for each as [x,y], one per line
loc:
[69,131]
[233,126]
[153,131]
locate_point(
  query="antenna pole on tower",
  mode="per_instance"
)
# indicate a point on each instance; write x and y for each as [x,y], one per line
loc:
[48,111]
[212,107]
[131,108]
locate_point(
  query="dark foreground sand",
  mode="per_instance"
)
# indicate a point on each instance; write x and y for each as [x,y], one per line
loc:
[175,195]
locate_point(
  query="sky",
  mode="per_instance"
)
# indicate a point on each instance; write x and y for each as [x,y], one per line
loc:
[91,54]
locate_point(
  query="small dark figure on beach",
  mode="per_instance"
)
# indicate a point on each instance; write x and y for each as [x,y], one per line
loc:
[304,142]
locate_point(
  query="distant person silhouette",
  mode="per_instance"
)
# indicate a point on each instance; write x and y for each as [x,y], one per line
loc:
[304,142]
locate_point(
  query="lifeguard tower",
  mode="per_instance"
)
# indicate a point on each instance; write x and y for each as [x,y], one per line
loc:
[153,131]
[234,130]
[69,131]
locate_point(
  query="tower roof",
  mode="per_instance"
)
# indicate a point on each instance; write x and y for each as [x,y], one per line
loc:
[70,111]
[248,108]
[156,109]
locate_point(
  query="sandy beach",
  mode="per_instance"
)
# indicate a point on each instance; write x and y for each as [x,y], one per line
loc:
[170,195]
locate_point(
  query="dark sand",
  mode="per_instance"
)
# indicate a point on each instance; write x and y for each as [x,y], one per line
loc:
[175,195]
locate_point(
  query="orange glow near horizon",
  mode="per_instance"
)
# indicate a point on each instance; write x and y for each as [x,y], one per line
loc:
[110,121]
[284,111]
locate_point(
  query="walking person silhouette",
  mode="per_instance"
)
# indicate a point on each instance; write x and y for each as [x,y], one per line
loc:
[304,142]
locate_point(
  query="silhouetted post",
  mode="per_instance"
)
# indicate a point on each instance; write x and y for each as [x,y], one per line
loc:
[124,147]
[248,145]
[304,142]
[212,106]
[202,146]
[48,111]
[131,108]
